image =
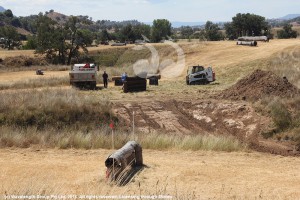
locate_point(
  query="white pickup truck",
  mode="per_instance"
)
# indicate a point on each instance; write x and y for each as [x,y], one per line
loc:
[84,75]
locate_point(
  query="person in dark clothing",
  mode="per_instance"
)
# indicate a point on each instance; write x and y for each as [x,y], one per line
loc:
[105,79]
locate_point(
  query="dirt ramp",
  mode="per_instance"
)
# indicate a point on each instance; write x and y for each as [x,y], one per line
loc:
[258,85]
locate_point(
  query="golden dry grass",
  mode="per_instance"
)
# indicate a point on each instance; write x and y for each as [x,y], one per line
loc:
[12,53]
[183,175]
[12,77]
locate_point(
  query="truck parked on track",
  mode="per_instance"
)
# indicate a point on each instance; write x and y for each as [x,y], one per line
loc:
[84,75]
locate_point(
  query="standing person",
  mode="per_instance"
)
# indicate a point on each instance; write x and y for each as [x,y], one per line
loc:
[105,78]
[123,78]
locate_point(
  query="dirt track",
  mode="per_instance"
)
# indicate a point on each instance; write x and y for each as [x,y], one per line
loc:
[189,175]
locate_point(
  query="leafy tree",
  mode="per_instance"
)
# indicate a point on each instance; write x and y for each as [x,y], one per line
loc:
[12,38]
[61,43]
[186,32]
[287,32]
[212,32]
[29,23]
[246,25]
[45,32]
[160,30]
[230,31]
[79,39]
[127,33]
[104,36]
[16,22]
[142,29]
[31,43]
[8,13]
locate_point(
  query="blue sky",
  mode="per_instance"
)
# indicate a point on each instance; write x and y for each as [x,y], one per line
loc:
[147,10]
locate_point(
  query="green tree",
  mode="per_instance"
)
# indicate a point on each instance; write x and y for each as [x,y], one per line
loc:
[142,29]
[212,32]
[246,25]
[127,33]
[12,38]
[287,32]
[61,43]
[31,43]
[230,31]
[79,39]
[45,31]
[8,13]
[186,32]
[104,36]
[160,30]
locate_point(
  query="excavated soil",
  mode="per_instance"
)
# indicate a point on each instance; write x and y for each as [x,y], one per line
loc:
[258,85]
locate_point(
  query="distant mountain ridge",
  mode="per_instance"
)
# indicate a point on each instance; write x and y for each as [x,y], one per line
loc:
[2,9]
[290,16]
[177,24]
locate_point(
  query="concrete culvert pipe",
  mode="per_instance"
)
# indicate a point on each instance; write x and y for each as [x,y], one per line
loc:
[130,155]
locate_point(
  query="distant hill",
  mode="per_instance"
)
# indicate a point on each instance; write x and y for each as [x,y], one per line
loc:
[2,9]
[290,16]
[177,24]
[58,17]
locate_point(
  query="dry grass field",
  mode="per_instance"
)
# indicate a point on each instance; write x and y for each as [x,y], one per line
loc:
[13,77]
[180,174]
[170,108]
[6,53]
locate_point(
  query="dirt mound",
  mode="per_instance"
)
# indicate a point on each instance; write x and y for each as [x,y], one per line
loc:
[260,84]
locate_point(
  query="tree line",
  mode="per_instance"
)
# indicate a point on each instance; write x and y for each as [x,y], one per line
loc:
[62,40]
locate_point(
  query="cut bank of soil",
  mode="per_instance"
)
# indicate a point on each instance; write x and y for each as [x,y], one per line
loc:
[237,119]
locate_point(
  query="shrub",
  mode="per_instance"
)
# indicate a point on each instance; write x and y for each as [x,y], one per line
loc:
[280,115]
[287,32]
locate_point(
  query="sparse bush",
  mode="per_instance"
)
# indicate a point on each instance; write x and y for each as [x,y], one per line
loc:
[280,115]
[31,43]
[287,32]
